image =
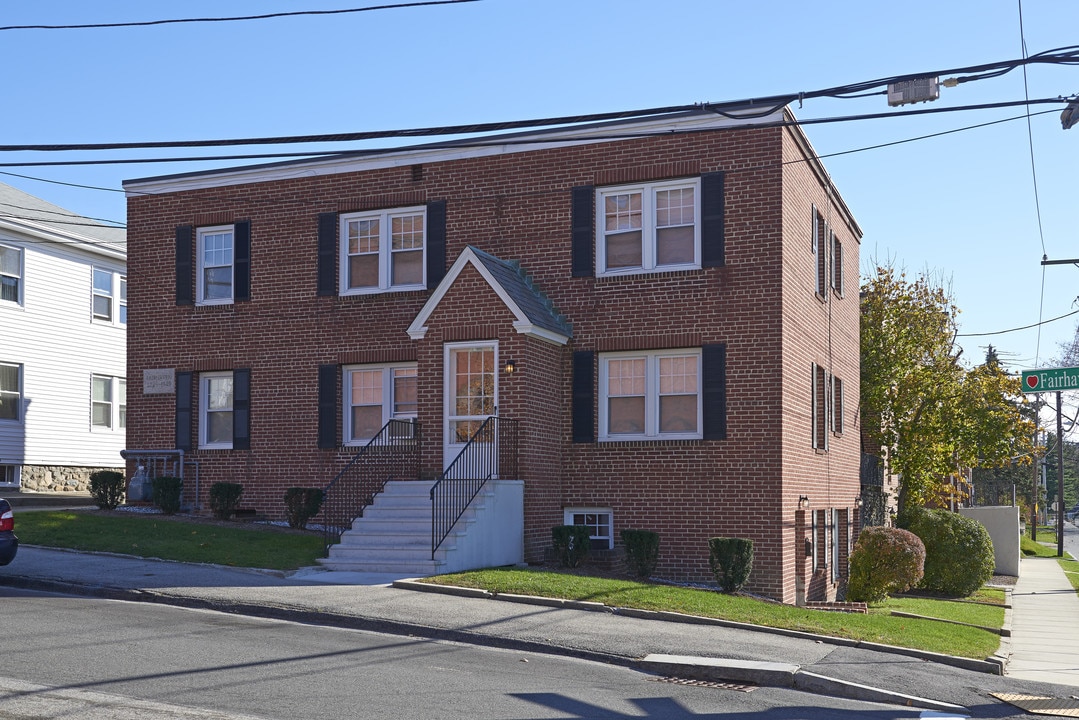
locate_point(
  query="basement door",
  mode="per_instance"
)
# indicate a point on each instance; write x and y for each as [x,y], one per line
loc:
[471,373]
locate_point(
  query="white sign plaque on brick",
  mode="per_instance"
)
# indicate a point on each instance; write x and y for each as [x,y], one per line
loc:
[159,382]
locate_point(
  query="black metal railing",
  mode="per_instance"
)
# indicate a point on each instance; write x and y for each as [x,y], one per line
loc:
[392,454]
[491,452]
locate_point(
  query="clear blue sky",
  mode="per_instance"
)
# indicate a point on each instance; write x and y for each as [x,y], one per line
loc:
[961,206]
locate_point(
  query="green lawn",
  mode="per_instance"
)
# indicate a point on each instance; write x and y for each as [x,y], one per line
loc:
[239,545]
[878,626]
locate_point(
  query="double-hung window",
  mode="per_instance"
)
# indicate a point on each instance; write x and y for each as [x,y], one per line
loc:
[109,303]
[650,395]
[374,395]
[383,251]
[108,402]
[643,228]
[216,261]
[215,410]
[10,391]
[10,274]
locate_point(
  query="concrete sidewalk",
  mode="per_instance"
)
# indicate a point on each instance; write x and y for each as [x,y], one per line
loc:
[655,642]
[1045,624]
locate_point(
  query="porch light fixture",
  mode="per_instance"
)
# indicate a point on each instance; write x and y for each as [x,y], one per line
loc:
[857,502]
[803,501]
[511,367]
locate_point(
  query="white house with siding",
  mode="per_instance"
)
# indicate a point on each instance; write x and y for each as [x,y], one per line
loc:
[63,345]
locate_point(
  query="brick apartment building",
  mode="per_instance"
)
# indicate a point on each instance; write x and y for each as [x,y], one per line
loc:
[653,311]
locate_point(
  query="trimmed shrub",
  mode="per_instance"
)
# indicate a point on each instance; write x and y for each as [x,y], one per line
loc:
[884,560]
[224,499]
[571,543]
[731,560]
[167,491]
[107,488]
[958,551]
[642,551]
[302,504]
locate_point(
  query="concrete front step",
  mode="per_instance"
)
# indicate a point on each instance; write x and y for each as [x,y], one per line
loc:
[417,568]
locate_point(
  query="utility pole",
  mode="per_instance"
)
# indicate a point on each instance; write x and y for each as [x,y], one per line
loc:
[1060,475]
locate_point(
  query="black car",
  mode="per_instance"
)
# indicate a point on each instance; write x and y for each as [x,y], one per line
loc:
[9,544]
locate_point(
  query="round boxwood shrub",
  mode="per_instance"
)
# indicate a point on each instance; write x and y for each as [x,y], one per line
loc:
[731,561]
[107,488]
[958,551]
[884,560]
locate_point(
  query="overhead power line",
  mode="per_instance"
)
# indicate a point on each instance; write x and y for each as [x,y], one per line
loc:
[496,140]
[738,109]
[266,16]
[1025,327]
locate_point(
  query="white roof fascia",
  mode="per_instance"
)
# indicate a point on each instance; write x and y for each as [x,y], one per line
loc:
[419,155]
[49,234]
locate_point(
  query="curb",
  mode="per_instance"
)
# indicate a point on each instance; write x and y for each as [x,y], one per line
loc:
[992,666]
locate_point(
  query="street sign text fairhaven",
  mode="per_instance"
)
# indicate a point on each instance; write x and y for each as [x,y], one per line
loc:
[1050,380]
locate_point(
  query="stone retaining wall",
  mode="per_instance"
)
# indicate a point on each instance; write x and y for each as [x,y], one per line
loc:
[58,478]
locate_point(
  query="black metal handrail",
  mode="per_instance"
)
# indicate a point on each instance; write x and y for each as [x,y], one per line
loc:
[392,453]
[490,452]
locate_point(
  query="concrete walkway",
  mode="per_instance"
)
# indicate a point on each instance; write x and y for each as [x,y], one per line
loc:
[1045,624]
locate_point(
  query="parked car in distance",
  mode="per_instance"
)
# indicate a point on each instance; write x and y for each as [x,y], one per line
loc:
[9,544]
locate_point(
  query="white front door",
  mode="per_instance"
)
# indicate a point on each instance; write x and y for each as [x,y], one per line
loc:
[471,393]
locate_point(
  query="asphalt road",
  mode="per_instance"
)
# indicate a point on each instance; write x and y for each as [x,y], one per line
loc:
[86,658]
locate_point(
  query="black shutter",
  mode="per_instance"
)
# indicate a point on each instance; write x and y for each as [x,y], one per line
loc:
[327,406]
[582,203]
[183,411]
[241,238]
[712,250]
[436,243]
[241,409]
[327,253]
[184,250]
[584,395]
[714,370]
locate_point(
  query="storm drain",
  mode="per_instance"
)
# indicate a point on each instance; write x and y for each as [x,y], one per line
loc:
[704,683]
[1041,705]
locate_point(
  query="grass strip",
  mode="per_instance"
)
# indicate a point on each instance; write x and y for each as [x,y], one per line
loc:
[877,626]
[155,536]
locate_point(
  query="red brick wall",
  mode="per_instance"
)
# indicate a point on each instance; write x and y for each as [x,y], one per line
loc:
[517,207]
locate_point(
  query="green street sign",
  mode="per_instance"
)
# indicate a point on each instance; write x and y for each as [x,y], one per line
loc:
[1050,380]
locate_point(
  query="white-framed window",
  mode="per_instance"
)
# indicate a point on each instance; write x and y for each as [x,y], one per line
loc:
[9,475]
[215,410]
[650,395]
[109,304]
[216,262]
[383,251]
[642,228]
[108,402]
[598,521]
[11,271]
[374,395]
[10,391]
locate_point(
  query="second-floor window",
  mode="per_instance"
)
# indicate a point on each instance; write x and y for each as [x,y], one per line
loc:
[216,259]
[108,403]
[10,274]
[383,251]
[643,228]
[109,297]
